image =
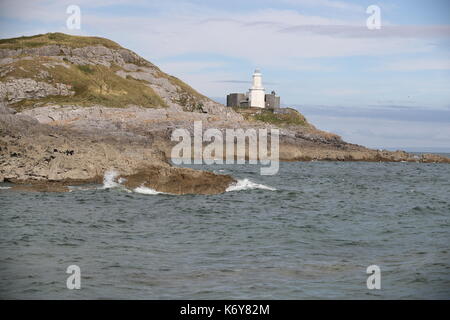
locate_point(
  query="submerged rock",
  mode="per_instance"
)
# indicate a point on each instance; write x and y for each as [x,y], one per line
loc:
[178,180]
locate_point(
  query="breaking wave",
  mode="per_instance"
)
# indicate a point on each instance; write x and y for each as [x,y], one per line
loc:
[109,179]
[246,184]
[145,190]
[4,188]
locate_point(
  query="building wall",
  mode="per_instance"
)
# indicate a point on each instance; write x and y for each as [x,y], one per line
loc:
[277,103]
[235,99]
[257,93]
[272,101]
[257,97]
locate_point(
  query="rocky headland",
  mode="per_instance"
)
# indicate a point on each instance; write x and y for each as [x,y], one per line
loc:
[75,107]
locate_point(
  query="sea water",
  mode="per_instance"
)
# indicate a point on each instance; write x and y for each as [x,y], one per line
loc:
[308,232]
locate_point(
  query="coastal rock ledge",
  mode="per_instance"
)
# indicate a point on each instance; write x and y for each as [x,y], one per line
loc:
[38,157]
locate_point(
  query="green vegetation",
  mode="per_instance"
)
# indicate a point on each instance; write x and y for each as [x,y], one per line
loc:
[55,38]
[292,117]
[86,69]
[95,84]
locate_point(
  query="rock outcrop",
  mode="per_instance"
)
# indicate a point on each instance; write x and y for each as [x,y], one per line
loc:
[15,90]
[75,107]
[178,180]
[49,158]
[66,52]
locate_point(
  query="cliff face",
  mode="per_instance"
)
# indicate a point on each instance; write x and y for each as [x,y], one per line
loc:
[62,69]
[72,108]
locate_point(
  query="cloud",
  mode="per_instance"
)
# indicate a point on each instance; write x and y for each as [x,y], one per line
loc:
[325,4]
[233,81]
[417,65]
[265,37]
[244,82]
[248,38]
[190,66]
[361,31]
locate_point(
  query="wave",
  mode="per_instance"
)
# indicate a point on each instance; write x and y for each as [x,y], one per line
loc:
[145,190]
[246,184]
[109,179]
[4,188]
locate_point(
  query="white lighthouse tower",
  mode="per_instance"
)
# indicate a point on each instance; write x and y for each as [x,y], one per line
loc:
[257,92]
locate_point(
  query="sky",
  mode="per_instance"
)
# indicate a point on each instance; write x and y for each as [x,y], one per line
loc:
[386,88]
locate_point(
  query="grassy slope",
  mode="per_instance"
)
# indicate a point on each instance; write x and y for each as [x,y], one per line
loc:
[92,84]
[56,38]
[100,85]
[291,117]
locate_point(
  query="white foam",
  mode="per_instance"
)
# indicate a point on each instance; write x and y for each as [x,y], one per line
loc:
[145,190]
[109,179]
[246,184]
[4,188]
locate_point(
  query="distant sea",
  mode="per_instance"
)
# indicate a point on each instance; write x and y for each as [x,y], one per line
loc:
[308,232]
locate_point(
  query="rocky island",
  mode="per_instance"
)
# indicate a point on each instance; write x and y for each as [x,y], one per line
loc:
[73,108]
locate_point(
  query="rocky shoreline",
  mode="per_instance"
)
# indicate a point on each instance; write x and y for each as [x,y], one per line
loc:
[39,157]
[75,108]
[73,146]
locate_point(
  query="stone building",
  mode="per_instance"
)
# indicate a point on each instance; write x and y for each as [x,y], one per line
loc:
[255,97]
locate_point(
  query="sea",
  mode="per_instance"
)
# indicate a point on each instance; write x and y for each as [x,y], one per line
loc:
[315,230]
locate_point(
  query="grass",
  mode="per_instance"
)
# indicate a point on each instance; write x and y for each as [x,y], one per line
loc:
[92,84]
[95,84]
[293,117]
[56,38]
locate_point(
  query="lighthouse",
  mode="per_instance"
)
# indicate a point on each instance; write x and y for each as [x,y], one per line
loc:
[255,97]
[257,92]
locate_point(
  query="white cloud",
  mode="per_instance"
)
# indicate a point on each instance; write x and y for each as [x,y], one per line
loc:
[418,65]
[253,36]
[265,37]
[190,66]
[326,3]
